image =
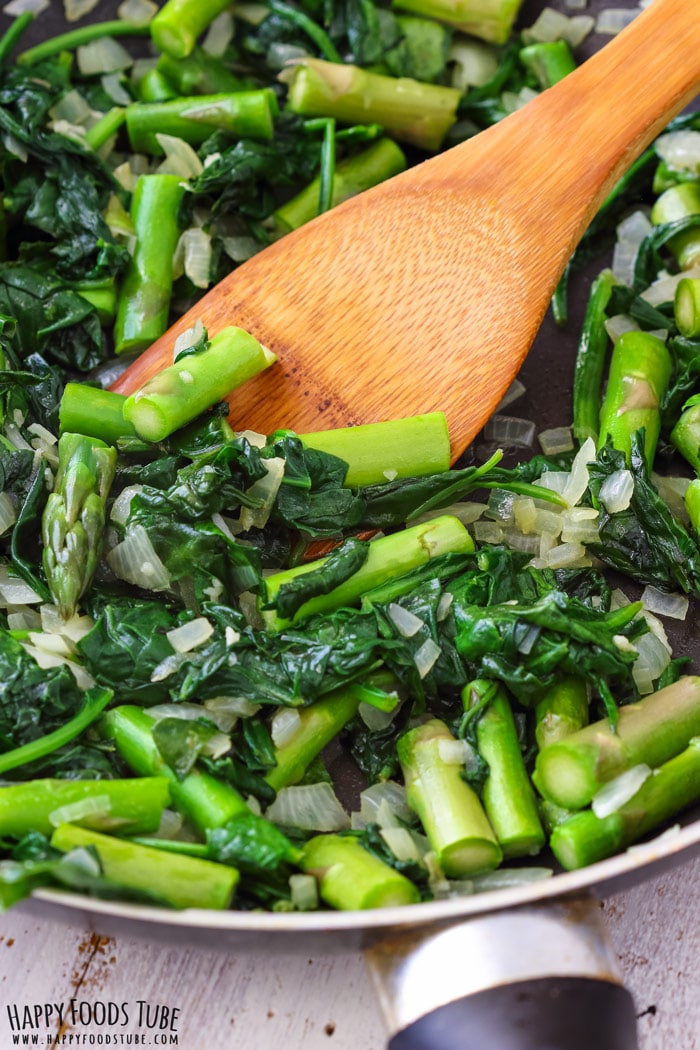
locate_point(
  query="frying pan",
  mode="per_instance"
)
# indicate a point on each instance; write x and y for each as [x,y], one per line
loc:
[512,969]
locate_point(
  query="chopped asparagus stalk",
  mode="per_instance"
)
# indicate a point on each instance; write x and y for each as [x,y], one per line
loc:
[243,114]
[508,797]
[181,881]
[686,307]
[175,28]
[550,61]
[679,202]
[652,731]
[352,879]
[585,838]
[379,452]
[490,20]
[561,711]
[94,412]
[686,435]
[131,807]
[388,557]
[74,517]
[180,393]
[640,369]
[452,816]
[204,800]
[408,110]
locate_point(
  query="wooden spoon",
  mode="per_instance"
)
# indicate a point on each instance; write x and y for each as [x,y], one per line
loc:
[426,292]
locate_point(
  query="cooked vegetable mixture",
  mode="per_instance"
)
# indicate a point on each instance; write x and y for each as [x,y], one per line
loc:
[198,626]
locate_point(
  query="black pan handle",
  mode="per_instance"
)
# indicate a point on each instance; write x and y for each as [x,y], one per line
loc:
[549,1013]
[538,978]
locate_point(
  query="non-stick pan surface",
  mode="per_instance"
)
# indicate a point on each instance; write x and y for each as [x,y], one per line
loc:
[547,375]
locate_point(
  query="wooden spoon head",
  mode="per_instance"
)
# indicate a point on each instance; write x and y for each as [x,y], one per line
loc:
[407,299]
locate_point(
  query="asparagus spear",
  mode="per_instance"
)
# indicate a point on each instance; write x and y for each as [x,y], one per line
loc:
[686,433]
[241,113]
[94,412]
[175,28]
[387,557]
[183,391]
[692,504]
[351,176]
[182,881]
[397,448]
[561,711]
[200,73]
[508,797]
[550,61]
[585,838]
[408,109]
[451,814]
[652,731]
[640,369]
[319,724]
[74,517]
[679,202]
[144,301]
[131,807]
[490,20]
[206,801]
[686,307]
[351,879]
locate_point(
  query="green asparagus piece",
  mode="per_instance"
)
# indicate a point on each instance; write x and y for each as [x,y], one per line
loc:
[204,800]
[154,86]
[388,556]
[686,433]
[102,294]
[243,114]
[94,702]
[561,711]
[380,161]
[490,20]
[108,125]
[131,807]
[180,393]
[508,797]
[678,202]
[352,879]
[181,881]
[640,369]
[379,452]
[586,838]
[201,74]
[144,301]
[94,412]
[652,731]
[550,62]
[319,724]
[452,816]
[692,504]
[590,359]
[74,517]
[78,38]
[686,307]
[175,28]
[409,110]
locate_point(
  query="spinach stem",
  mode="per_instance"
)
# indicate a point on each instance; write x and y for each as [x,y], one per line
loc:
[78,38]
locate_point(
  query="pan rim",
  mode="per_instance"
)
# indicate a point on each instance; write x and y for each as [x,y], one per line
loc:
[640,862]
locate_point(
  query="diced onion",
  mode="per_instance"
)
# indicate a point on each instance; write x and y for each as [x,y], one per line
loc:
[444,606]
[113,86]
[514,392]
[24,619]
[567,554]
[551,25]
[616,491]
[226,710]
[612,20]
[46,660]
[578,478]
[73,629]
[219,34]
[303,891]
[71,107]
[122,504]
[77,9]
[190,337]
[554,481]
[264,489]
[137,12]
[135,561]
[426,656]
[405,622]
[187,712]
[675,606]
[105,55]
[241,248]
[83,811]
[193,256]
[473,63]
[511,431]
[312,807]
[8,512]
[613,795]
[180,158]
[14,591]
[487,532]
[170,825]
[555,440]
[374,718]
[651,663]
[385,791]
[19,7]
[402,844]
[501,505]
[664,290]
[191,634]
[285,725]
[680,149]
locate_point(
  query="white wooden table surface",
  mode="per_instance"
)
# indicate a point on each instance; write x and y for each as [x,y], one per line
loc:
[312,1003]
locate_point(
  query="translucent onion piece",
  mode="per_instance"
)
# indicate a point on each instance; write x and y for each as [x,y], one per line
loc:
[578,478]
[675,606]
[405,622]
[18,7]
[554,480]
[135,561]
[303,890]
[188,338]
[388,790]
[241,248]
[220,707]
[8,514]
[193,256]
[137,12]
[71,107]
[76,9]
[14,591]
[616,491]
[507,877]
[613,20]
[264,489]
[551,25]
[375,719]
[651,663]
[23,619]
[513,393]
[680,149]
[613,795]
[312,807]
[187,712]
[444,606]
[567,554]
[122,504]
[75,812]
[284,726]
[219,34]
[401,843]
[189,635]
[105,55]
[47,660]
[511,431]
[425,657]
[635,227]
[113,86]
[454,752]
[555,440]
[73,629]
[180,158]
[500,505]
[664,290]
[524,513]
[473,63]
